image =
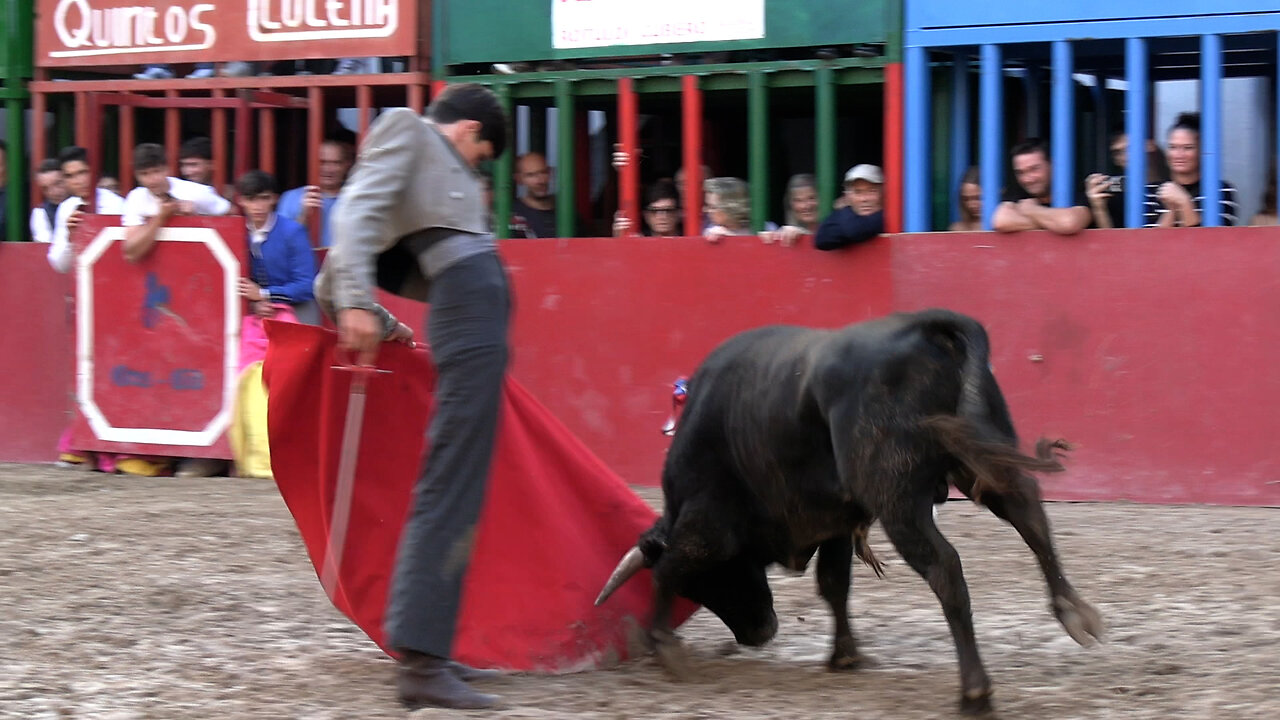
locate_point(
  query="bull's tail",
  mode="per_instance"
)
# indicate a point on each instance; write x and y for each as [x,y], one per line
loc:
[992,462]
[980,435]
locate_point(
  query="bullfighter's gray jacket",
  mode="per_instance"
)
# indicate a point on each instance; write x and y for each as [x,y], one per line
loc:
[410,208]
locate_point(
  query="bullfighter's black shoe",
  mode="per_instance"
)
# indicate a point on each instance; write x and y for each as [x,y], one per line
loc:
[429,681]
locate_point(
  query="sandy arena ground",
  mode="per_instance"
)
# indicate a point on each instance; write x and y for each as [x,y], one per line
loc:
[126,597]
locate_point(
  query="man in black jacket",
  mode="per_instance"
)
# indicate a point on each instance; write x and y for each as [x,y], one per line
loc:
[862,217]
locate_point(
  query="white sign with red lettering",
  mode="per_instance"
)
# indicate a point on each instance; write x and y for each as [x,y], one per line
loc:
[602,23]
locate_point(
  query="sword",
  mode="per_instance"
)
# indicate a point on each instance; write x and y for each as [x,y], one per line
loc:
[348,454]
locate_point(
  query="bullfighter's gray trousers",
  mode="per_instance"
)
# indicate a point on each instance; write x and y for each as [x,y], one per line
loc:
[467,329]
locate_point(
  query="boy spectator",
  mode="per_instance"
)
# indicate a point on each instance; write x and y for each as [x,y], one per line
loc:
[1028,206]
[300,204]
[970,203]
[861,218]
[83,197]
[52,192]
[195,160]
[159,197]
[281,263]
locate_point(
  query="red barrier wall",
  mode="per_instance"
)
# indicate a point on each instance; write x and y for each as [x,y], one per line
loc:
[1159,351]
[36,359]
[1158,348]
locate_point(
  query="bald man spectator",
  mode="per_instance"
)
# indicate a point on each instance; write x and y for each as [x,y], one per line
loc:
[536,209]
[301,204]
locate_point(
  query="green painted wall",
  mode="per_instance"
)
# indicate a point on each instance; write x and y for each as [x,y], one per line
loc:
[467,31]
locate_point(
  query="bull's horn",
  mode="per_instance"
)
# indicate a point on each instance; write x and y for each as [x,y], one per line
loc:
[632,563]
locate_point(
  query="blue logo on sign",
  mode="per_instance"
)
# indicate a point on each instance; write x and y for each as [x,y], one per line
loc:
[154,302]
[180,379]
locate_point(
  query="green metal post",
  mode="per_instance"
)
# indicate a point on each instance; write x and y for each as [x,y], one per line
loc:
[15,161]
[758,148]
[564,159]
[502,173]
[64,123]
[825,163]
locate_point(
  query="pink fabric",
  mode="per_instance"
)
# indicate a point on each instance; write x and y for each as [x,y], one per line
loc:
[253,339]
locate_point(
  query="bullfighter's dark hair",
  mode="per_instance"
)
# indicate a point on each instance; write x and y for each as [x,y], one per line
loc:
[72,153]
[148,156]
[196,147]
[256,182]
[1030,145]
[471,101]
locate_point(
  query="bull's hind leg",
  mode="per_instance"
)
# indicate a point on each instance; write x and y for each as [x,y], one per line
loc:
[1020,507]
[834,557]
[919,542]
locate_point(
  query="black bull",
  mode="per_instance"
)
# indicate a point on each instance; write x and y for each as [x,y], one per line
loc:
[794,440]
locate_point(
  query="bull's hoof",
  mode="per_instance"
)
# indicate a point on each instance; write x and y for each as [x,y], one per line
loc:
[672,656]
[849,663]
[976,703]
[845,657]
[1081,621]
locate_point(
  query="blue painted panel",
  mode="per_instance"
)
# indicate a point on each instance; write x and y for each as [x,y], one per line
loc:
[1094,30]
[921,14]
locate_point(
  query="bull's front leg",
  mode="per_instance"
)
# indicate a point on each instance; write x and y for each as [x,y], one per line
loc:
[834,558]
[662,637]
[1021,508]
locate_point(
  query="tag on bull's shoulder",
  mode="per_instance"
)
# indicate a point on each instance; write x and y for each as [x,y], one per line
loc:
[456,194]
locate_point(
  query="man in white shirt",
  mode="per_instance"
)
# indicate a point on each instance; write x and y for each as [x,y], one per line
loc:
[84,197]
[52,192]
[159,197]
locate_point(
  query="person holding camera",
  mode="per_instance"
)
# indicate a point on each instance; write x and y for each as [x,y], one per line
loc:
[1105,193]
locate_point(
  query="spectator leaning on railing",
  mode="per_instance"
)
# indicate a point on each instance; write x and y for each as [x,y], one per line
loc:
[159,197]
[801,214]
[1179,202]
[862,216]
[1028,205]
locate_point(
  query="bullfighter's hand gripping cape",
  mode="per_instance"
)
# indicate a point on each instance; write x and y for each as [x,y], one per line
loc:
[554,523]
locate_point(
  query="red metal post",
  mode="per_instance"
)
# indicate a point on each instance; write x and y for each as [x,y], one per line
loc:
[416,98]
[84,123]
[267,140]
[125,145]
[218,131]
[92,142]
[172,132]
[244,139]
[691,101]
[364,103]
[893,154]
[629,140]
[39,142]
[315,135]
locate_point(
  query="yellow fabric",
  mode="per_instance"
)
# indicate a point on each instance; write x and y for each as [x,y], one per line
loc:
[142,467]
[248,434]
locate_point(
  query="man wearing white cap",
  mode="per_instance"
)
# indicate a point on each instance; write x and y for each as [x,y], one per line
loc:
[862,217]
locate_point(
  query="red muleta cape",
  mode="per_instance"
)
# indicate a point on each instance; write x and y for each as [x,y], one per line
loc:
[554,524]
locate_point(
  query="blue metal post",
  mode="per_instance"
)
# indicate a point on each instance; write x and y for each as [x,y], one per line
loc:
[991,142]
[916,187]
[1063,126]
[1135,128]
[960,158]
[1211,129]
[1276,169]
